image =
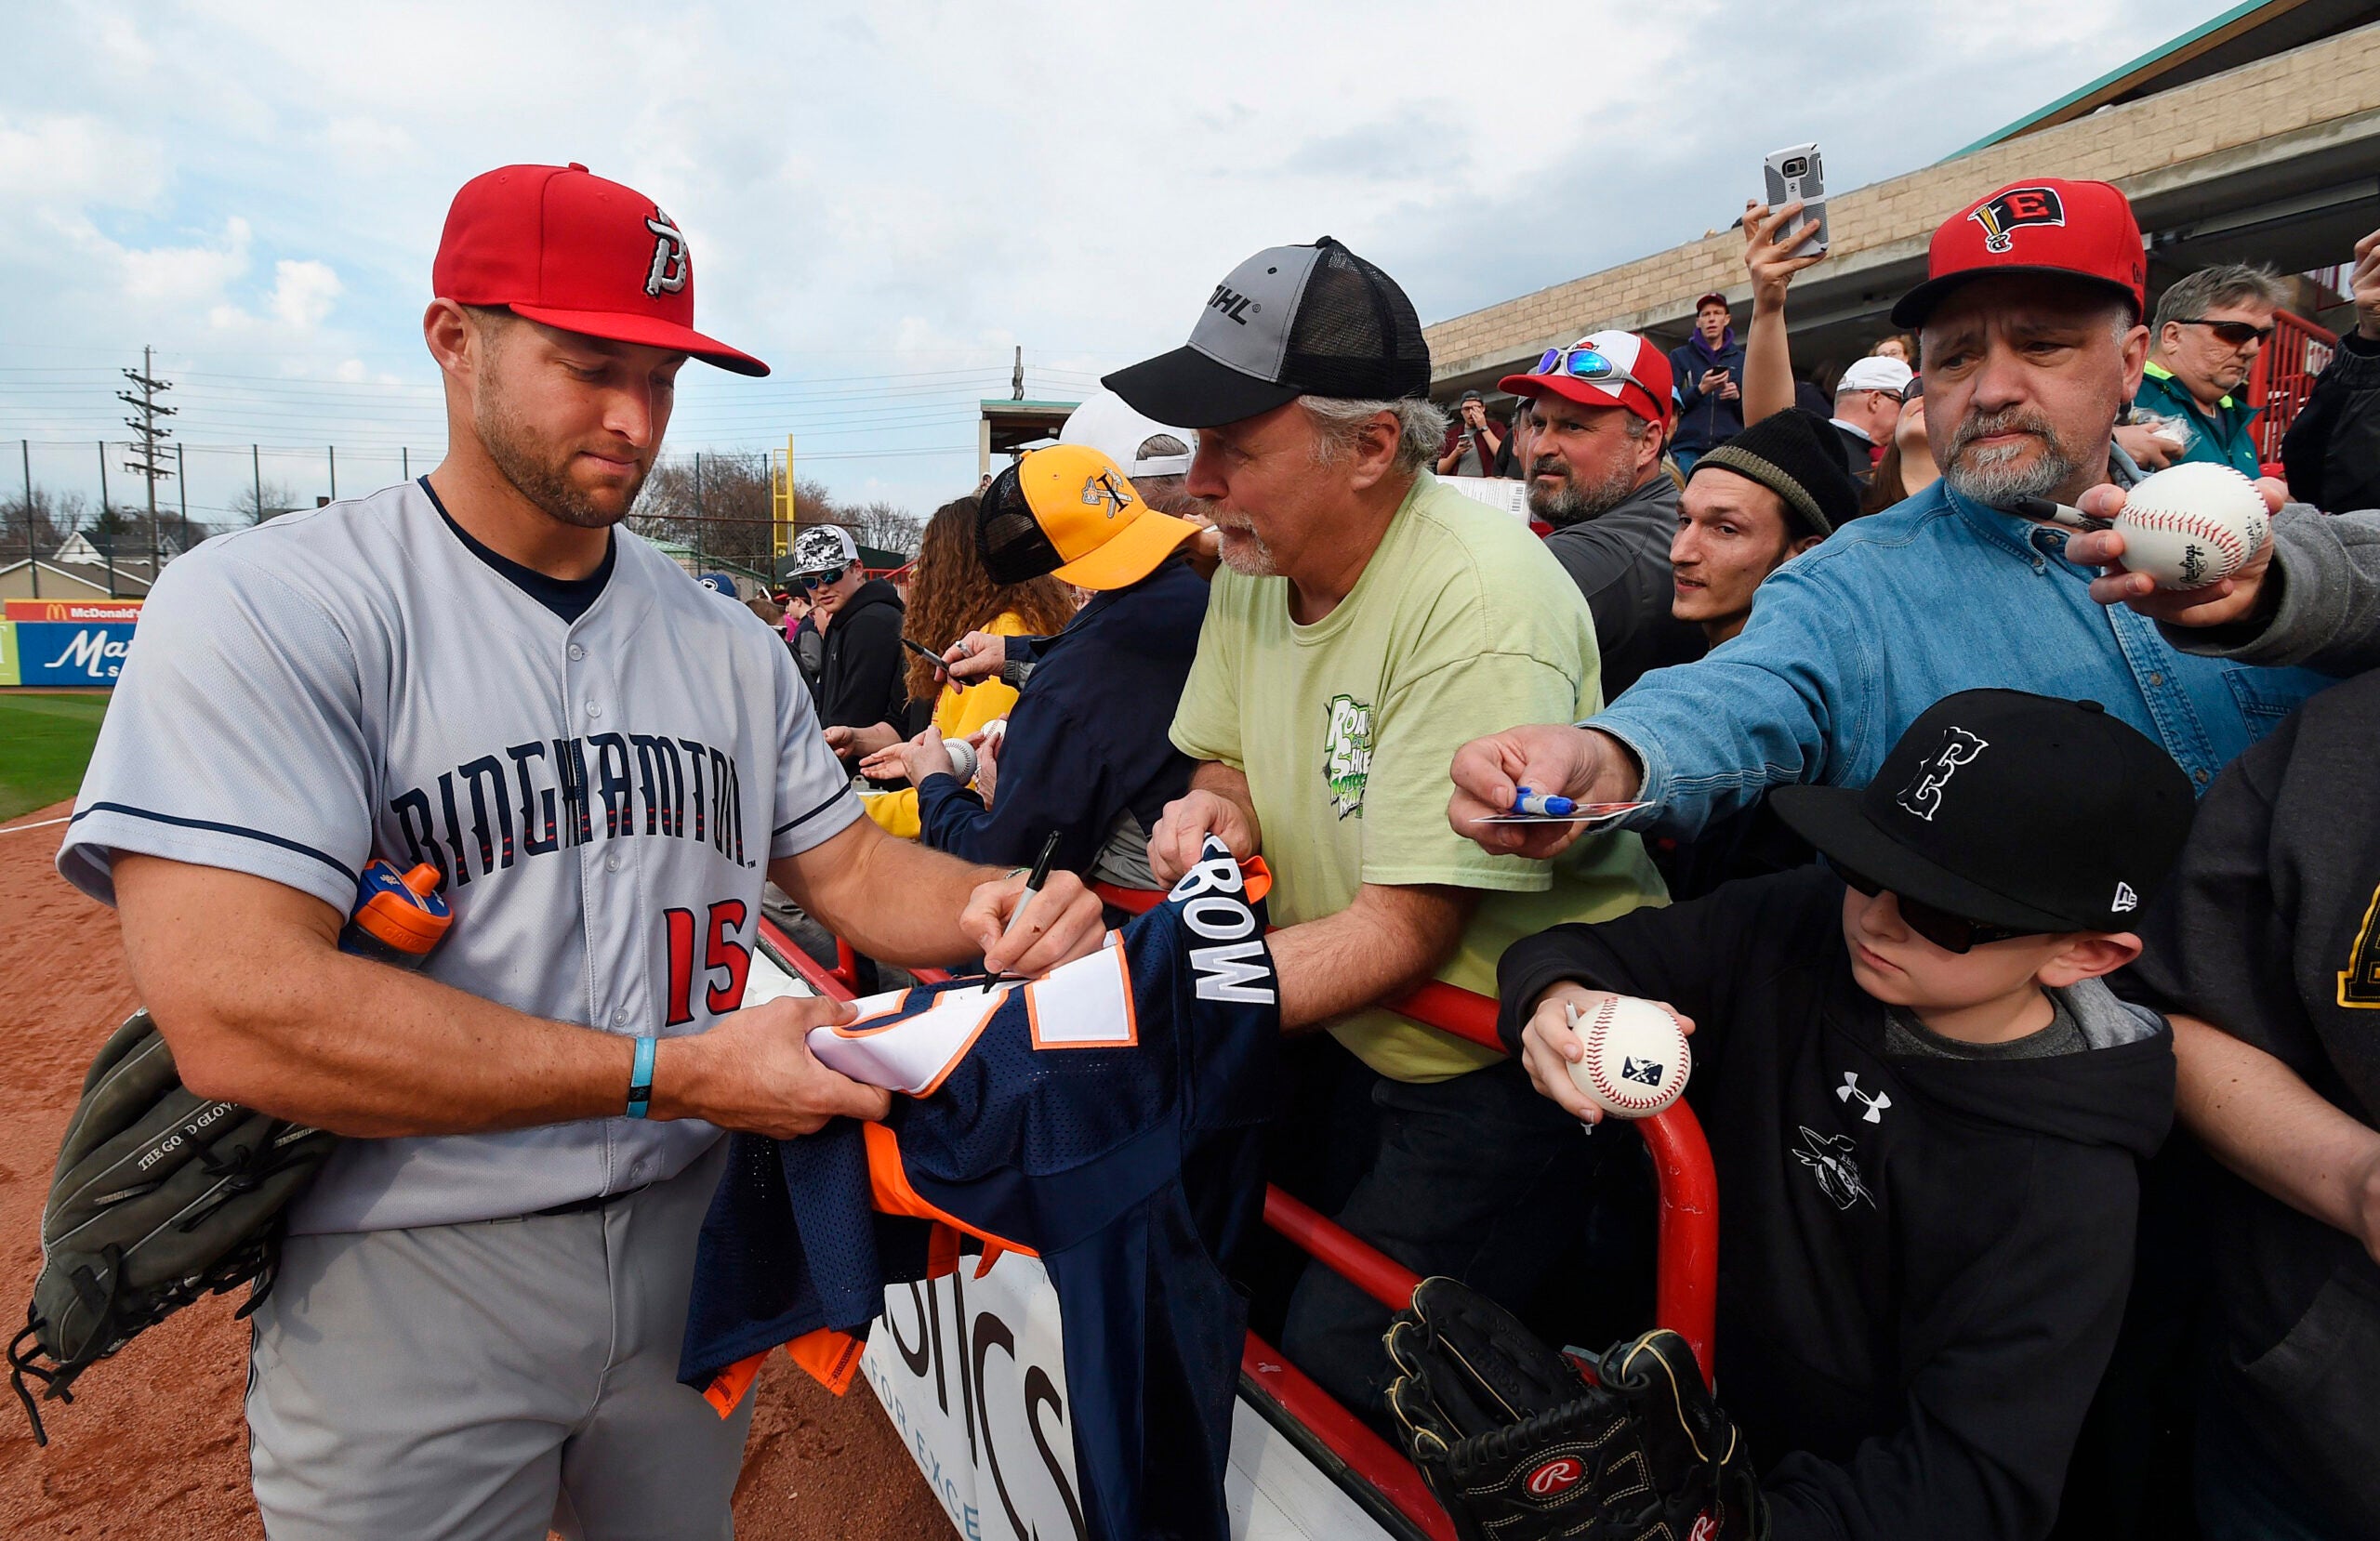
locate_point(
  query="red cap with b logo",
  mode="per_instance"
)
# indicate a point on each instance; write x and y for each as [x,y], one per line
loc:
[2077,229]
[563,246]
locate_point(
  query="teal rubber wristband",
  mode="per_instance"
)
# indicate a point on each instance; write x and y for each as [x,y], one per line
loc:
[641,1080]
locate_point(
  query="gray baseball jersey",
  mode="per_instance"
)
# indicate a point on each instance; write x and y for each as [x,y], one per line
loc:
[602,795]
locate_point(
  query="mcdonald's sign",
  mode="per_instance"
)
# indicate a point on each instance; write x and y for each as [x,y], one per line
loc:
[101,611]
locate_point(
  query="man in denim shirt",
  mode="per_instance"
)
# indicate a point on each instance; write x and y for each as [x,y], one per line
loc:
[2032,348]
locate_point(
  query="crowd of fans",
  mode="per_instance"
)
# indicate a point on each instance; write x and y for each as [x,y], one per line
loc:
[1972,1281]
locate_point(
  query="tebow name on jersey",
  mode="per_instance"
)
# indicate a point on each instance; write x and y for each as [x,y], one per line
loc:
[687,788]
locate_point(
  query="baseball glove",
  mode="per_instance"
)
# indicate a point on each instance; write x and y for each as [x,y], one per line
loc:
[1517,1443]
[160,1197]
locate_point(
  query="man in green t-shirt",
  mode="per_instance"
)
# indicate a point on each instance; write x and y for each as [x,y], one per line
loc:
[1367,621]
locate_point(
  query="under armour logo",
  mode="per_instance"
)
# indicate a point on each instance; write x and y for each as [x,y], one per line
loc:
[2125,899]
[1850,1089]
[1105,488]
[1645,1073]
[1922,796]
[668,271]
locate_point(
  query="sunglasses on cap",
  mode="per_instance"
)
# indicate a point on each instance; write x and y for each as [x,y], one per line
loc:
[2239,333]
[1953,933]
[1586,361]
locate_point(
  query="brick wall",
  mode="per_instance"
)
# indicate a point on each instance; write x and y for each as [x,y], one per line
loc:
[2323,82]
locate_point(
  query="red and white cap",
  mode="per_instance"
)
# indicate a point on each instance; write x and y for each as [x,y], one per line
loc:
[1604,369]
[2075,230]
[563,246]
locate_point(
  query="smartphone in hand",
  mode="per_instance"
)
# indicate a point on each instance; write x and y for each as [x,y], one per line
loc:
[1797,174]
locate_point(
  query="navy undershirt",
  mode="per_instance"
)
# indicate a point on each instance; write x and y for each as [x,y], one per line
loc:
[568,598]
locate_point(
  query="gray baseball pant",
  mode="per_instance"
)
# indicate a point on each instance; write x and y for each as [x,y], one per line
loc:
[483,1382]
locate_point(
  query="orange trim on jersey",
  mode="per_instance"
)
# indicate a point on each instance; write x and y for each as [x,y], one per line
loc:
[991,1009]
[889,1188]
[831,1357]
[1131,1038]
[1255,879]
[846,1029]
[727,1388]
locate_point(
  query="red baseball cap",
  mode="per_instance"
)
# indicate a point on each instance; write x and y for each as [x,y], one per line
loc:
[2075,230]
[1607,369]
[561,246]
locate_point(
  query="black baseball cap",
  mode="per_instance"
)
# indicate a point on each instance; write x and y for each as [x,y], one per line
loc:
[2017,811]
[1289,321]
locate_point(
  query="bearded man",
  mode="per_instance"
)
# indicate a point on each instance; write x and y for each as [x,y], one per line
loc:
[2030,315]
[1600,411]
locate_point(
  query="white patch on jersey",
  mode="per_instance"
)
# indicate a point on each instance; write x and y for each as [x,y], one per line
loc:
[913,1054]
[1086,1004]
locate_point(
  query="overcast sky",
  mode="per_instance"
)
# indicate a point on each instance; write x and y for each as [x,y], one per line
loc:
[882,200]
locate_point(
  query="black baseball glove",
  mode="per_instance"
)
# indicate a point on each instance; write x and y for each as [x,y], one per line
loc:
[160,1197]
[1518,1444]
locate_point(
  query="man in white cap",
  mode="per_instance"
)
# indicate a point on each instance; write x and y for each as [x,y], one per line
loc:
[859,689]
[1155,457]
[1866,409]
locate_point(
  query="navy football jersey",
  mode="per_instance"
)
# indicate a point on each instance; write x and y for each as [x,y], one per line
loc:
[1108,1118]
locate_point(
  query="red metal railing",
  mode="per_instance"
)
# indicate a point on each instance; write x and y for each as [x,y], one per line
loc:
[1686,1278]
[2283,377]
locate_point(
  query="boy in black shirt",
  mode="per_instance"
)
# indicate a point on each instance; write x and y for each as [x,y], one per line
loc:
[1924,1108]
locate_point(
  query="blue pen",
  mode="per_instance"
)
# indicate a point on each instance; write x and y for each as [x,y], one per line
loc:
[1548,804]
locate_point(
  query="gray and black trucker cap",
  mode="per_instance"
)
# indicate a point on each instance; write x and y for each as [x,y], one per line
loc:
[1289,321]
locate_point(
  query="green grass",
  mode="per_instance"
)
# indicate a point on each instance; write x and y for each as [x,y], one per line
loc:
[44,742]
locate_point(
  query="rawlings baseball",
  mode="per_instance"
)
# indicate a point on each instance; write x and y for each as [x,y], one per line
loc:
[2192,524]
[1635,1062]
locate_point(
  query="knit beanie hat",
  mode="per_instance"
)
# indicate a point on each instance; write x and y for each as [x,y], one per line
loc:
[1797,455]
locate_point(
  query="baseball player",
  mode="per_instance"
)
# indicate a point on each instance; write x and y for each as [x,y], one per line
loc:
[476,1327]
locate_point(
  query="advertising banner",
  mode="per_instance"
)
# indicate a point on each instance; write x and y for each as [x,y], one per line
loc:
[70,642]
[8,654]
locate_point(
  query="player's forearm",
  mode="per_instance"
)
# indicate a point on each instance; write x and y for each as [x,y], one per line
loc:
[2263,1121]
[846,882]
[1379,946]
[306,1032]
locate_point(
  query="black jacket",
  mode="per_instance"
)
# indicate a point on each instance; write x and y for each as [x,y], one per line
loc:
[1922,1261]
[1703,421]
[1621,562]
[2332,451]
[2268,929]
[1087,738]
[861,676]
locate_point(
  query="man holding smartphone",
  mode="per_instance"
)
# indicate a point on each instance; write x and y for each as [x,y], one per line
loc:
[1710,374]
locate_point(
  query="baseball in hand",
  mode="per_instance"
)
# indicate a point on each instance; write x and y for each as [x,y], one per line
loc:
[2192,524]
[1635,1062]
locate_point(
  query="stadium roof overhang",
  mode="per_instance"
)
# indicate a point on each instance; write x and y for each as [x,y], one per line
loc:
[2297,199]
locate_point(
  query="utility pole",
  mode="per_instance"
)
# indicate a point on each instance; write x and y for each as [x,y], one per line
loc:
[1016,377]
[149,434]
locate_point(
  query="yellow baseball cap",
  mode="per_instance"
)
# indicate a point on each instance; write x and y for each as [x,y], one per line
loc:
[1068,511]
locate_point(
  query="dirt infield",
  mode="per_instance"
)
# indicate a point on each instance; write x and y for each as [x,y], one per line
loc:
[154,1444]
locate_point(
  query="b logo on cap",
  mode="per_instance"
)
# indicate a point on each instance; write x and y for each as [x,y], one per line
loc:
[2018,205]
[668,271]
[1922,796]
